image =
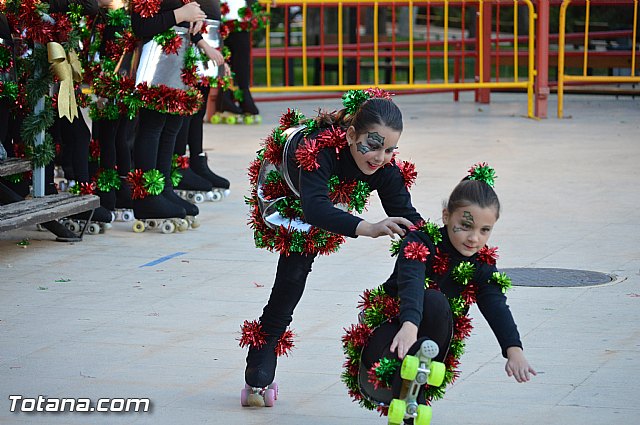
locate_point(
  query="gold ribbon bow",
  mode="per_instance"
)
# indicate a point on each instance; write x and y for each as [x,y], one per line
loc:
[67,68]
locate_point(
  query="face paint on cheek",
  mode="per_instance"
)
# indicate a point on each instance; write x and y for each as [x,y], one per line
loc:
[375,140]
[467,216]
[363,149]
[457,229]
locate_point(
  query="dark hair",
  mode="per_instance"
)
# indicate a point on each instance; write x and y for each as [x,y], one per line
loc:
[473,192]
[373,111]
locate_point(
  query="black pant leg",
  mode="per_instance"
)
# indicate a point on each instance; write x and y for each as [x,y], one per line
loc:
[145,149]
[170,131]
[195,137]
[239,43]
[437,321]
[124,144]
[291,277]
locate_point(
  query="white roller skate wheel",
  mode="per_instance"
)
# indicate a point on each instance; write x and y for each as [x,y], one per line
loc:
[227,192]
[198,198]
[93,229]
[106,226]
[153,224]
[195,223]
[138,226]
[127,216]
[182,225]
[113,216]
[168,227]
[217,196]
[74,226]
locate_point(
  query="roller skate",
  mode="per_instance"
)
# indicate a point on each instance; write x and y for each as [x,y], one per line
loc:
[260,389]
[194,188]
[250,112]
[95,222]
[199,164]
[227,111]
[417,370]
[191,211]
[156,212]
[124,205]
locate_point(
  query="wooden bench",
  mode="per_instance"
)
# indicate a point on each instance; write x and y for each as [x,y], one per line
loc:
[14,166]
[47,208]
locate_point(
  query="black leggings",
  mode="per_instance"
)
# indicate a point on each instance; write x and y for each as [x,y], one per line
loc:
[437,321]
[155,141]
[239,43]
[115,147]
[75,138]
[287,290]
[191,131]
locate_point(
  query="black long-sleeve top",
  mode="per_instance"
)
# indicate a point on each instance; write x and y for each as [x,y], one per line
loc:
[5,30]
[147,28]
[408,277]
[317,207]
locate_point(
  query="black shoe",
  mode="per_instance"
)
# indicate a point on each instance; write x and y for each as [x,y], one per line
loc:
[261,364]
[107,199]
[100,215]
[62,233]
[228,103]
[192,181]
[157,207]
[200,166]
[189,208]
[247,104]
[123,195]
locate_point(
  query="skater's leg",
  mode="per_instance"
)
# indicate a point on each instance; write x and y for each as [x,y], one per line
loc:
[239,43]
[437,322]
[76,136]
[124,144]
[195,135]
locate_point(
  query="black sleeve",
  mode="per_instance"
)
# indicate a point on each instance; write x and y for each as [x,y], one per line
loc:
[395,198]
[90,7]
[149,27]
[493,306]
[211,8]
[5,29]
[318,209]
[410,278]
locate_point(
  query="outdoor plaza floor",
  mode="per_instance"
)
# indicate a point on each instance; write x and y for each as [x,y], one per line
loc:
[157,316]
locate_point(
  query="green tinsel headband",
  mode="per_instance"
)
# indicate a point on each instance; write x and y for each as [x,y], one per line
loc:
[352,100]
[483,172]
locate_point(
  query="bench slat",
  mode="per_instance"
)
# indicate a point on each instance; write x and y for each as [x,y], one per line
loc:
[14,166]
[40,210]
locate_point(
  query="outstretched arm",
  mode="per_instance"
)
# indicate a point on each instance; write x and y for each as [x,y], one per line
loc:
[518,366]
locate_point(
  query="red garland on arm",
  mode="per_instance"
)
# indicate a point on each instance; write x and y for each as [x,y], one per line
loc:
[285,343]
[463,327]
[146,8]
[488,255]
[307,155]
[252,334]
[333,137]
[416,251]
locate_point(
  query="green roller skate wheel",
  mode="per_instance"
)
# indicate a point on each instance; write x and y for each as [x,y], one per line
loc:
[215,119]
[231,119]
[397,409]
[436,374]
[409,368]
[248,119]
[423,415]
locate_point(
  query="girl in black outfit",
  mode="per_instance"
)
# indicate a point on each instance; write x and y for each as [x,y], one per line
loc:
[302,204]
[439,274]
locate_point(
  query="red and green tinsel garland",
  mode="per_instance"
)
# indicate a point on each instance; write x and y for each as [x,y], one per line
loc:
[145,183]
[250,18]
[108,179]
[377,307]
[179,162]
[168,100]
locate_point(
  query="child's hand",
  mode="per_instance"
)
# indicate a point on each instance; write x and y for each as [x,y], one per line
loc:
[190,12]
[404,339]
[389,226]
[213,54]
[517,365]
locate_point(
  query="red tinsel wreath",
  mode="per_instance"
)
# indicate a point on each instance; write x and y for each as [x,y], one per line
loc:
[440,262]
[463,327]
[341,194]
[252,334]
[469,293]
[136,182]
[273,151]
[409,173]
[285,343]
[333,137]
[356,336]
[254,171]
[307,155]
[416,251]
[289,119]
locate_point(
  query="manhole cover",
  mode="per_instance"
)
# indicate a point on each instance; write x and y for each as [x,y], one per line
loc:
[556,277]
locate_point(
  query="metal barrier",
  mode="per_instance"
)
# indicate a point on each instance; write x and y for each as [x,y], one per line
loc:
[348,53]
[586,54]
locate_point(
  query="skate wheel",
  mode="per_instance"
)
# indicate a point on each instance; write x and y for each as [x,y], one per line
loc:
[269,397]
[168,227]
[423,415]
[216,196]
[138,226]
[105,226]
[436,374]
[258,119]
[74,226]
[409,368]
[397,409]
[226,192]
[198,198]
[248,119]
[231,120]
[127,216]
[93,229]
[215,119]
[195,223]
[153,224]
[63,186]
[274,387]
[244,393]
[182,225]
